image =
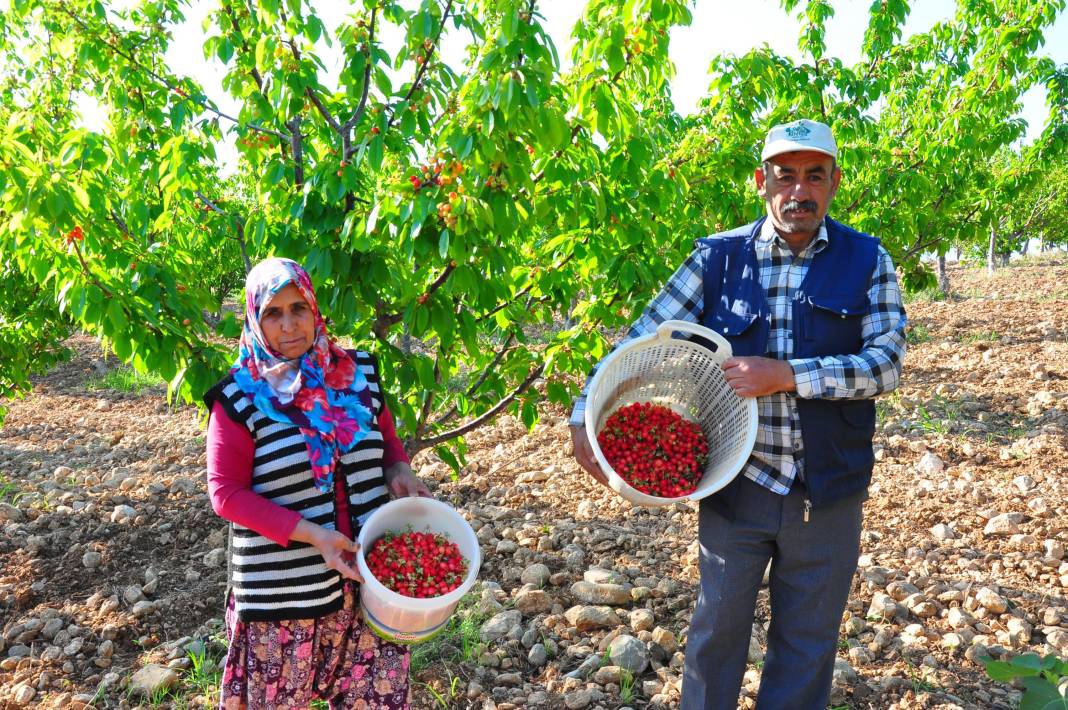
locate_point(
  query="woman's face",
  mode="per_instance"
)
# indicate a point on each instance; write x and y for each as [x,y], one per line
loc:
[288,323]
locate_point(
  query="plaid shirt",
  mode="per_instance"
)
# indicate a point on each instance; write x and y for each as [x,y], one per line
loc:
[778,458]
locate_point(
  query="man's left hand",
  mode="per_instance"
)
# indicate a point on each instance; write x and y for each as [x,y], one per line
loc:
[758,376]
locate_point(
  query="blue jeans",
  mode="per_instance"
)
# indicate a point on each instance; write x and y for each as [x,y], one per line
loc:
[812,566]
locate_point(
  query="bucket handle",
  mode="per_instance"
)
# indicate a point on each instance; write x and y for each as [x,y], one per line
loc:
[664,332]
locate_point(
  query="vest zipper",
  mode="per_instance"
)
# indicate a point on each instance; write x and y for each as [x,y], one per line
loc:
[808,508]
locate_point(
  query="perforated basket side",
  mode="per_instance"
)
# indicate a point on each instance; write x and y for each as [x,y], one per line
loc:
[687,378]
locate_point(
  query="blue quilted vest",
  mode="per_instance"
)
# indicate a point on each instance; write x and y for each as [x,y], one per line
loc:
[827,313]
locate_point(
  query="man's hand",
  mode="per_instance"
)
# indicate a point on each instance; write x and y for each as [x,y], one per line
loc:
[758,376]
[584,454]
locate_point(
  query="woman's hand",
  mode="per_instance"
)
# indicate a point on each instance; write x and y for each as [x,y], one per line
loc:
[336,549]
[403,483]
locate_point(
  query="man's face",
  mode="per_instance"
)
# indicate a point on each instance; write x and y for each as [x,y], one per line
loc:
[798,189]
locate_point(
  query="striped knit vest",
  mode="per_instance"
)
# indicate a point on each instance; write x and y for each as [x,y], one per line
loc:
[270,582]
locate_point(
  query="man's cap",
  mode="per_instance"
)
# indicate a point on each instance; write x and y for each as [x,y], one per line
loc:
[799,135]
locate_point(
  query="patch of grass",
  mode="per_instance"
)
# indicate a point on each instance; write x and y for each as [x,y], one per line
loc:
[457,643]
[927,295]
[887,405]
[919,683]
[445,699]
[125,379]
[626,685]
[9,492]
[205,674]
[917,333]
[982,336]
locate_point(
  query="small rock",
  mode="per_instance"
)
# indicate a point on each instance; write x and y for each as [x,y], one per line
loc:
[23,694]
[500,625]
[1053,548]
[883,607]
[132,594]
[578,699]
[628,653]
[844,673]
[598,575]
[607,674]
[589,593]
[532,602]
[943,532]
[1023,483]
[959,619]
[587,618]
[91,559]
[1004,524]
[930,465]
[538,655]
[122,514]
[11,514]
[536,574]
[215,558]
[991,600]
[642,620]
[665,639]
[152,679]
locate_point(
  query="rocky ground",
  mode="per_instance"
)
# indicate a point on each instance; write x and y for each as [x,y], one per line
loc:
[113,563]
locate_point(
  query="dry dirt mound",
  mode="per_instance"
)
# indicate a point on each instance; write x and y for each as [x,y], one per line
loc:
[111,560]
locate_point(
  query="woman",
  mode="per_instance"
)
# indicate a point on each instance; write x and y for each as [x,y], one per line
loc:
[301,449]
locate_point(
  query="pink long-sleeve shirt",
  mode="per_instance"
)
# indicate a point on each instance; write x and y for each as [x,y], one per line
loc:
[230,453]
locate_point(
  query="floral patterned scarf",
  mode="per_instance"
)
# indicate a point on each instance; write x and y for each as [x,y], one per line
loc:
[318,392]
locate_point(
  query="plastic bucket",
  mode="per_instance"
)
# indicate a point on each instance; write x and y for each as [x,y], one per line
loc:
[396,617]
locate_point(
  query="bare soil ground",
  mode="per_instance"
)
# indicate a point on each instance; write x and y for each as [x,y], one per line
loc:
[110,557]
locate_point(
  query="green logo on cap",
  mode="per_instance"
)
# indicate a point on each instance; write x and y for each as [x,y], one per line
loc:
[798,132]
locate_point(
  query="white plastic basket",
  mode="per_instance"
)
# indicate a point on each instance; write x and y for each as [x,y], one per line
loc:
[687,378]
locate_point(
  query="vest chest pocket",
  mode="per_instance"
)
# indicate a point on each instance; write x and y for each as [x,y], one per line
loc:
[833,324]
[729,323]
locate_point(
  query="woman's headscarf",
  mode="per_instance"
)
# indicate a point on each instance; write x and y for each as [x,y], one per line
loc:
[318,392]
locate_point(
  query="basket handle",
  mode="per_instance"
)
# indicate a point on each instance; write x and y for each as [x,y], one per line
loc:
[665,329]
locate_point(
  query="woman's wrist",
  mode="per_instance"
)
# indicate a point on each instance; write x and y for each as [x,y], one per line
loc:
[396,470]
[308,532]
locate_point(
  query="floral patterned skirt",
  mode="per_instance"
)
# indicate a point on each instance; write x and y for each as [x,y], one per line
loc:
[337,658]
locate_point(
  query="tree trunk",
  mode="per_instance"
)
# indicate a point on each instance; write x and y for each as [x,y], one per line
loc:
[1023,249]
[1004,258]
[943,277]
[990,250]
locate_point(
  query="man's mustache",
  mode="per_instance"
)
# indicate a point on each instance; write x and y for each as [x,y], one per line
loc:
[794,205]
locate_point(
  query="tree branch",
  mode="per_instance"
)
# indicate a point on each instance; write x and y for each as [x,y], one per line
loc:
[115,47]
[347,149]
[297,144]
[491,367]
[426,62]
[420,444]
[237,222]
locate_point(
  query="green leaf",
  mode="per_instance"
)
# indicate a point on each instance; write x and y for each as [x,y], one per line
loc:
[116,315]
[443,243]
[1000,670]
[1041,695]
[448,457]
[529,414]
[375,152]
[372,218]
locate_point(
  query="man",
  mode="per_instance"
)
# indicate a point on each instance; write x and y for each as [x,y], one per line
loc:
[814,317]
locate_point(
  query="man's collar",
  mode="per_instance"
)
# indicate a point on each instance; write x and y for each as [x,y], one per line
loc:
[768,233]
